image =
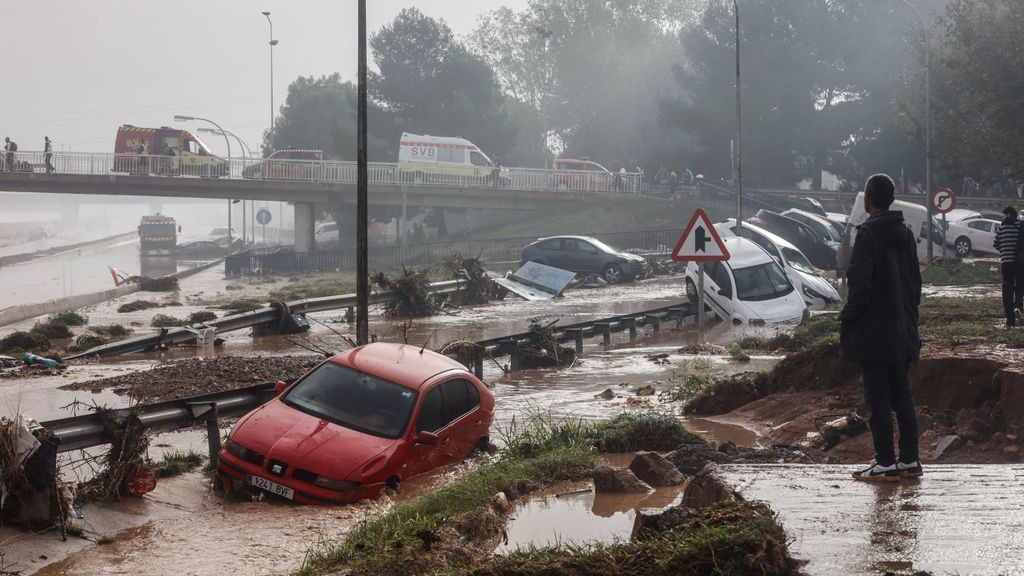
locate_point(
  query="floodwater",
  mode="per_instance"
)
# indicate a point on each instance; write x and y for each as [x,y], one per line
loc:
[955,520]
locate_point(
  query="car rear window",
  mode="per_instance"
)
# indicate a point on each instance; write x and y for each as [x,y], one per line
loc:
[762,282]
[353,399]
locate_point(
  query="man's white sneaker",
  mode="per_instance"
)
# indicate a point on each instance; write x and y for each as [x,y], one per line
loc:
[877,473]
[911,470]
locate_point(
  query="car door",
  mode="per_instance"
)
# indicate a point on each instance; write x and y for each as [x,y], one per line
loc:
[567,256]
[590,258]
[465,425]
[720,288]
[429,418]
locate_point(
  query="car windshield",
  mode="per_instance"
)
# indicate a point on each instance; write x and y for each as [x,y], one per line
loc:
[353,399]
[762,282]
[797,260]
[824,231]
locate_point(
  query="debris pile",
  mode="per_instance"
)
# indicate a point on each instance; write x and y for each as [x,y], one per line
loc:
[28,470]
[124,463]
[542,350]
[137,305]
[476,287]
[410,294]
[162,284]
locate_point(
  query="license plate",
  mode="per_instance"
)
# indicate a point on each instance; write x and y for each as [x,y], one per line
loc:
[270,486]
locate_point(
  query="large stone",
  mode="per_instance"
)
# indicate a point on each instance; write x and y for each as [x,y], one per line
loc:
[651,521]
[691,458]
[608,479]
[708,487]
[653,469]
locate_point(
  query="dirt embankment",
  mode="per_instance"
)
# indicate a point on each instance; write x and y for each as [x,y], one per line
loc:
[972,395]
[184,378]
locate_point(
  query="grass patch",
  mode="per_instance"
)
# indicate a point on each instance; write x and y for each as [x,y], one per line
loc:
[52,330]
[137,305]
[683,388]
[165,321]
[728,538]
[68,318]
[819,330]
[239,305]
[200,317]
[18,342]
[177,463]
[962,273]
[632,431]
[111,330]
[86,342]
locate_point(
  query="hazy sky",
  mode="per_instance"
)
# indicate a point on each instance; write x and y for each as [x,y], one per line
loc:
[76,70]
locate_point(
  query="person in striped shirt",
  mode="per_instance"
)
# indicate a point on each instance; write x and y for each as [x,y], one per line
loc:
[1011,259]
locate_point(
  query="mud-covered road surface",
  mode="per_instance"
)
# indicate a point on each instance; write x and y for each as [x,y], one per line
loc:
[957,519]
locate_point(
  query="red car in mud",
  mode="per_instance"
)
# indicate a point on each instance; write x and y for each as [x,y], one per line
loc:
[367,418]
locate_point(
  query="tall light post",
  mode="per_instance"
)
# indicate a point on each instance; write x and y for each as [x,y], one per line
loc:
[739,125]
[241,143]
[183,118]
[362,263]
[273,43]
[927,129]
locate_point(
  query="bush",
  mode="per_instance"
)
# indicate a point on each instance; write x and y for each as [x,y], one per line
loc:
[52,330]
[200,317]
[111,330]
[24,342]
[633,431]
[165,321]
[69,318]
[136,305]
[177,463]
[86,342]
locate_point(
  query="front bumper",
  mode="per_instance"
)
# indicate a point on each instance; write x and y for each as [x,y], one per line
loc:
[233,472]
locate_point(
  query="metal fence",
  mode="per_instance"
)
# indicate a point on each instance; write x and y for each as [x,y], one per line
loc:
[329,171]
[389,253]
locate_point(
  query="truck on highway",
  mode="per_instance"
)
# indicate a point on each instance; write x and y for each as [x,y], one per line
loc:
[158,235]
[164,151]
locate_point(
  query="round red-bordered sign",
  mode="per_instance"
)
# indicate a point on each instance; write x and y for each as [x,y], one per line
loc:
[140,481]
[943,200]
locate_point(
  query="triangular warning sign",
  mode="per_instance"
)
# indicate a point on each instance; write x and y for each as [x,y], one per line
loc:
[700,240]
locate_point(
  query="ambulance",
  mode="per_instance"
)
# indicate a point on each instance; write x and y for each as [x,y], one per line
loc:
[168,151]
[423,155]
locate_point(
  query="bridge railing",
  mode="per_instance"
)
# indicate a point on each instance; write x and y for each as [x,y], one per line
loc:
[330,171]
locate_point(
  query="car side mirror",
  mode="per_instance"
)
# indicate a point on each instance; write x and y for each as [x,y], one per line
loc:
[280,387]
[426,438]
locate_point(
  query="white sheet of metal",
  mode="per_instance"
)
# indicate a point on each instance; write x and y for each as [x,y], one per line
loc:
[536,281]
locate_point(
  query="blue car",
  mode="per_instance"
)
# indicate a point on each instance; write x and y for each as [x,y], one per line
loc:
[585,255]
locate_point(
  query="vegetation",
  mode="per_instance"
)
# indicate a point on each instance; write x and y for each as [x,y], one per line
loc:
[17,342]
[137,305]
[52,330]
[200,317]
[86,342]
[649,430]
[68,318]
[111,330]
[410,291]
[165,321]
[683,387]
[177,462]
[962,273]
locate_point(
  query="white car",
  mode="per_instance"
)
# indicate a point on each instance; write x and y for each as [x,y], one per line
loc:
[975,235]
[749,288]
[821,225]
[817,291]
[326,232]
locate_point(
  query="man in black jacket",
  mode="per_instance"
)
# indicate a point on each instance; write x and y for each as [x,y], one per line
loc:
[879,328]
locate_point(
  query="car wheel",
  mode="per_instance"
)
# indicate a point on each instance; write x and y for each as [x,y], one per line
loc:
[481,445]
[691,290]
[613,274]
[962,246]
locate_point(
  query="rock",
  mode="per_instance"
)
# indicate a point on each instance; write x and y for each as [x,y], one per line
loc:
[691,458]
[645,391]
[943,444]
[1012,437]
[1011,450]
[708,487]
[999,438]
[653,469]
[500,503]
[729,447]
[741,357]
[622,480]
[651,521]
[608,394]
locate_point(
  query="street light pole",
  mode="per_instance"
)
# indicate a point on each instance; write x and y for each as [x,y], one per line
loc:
[272,44]
[182,118]
[246,151]
[362,263]
[927,131]
[739,126]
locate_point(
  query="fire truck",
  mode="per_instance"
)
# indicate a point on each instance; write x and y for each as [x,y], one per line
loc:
[164,151]
[158,235]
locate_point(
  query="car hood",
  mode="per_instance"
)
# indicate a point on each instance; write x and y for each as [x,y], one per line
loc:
[786,309]
[631,257]
[818,284]
[300,440]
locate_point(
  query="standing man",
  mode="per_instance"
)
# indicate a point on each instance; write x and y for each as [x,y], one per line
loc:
[9,149]
[48,154]
[1011,261]
[879,328]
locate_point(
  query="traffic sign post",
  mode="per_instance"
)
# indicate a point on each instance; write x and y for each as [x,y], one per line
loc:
[263,217]
[700,242]
[943,201]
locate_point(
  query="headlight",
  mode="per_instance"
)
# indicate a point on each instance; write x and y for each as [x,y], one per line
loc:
[242,452]
[338,485]
[812,293]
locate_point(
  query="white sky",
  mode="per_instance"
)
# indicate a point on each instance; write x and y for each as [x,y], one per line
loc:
[75,70]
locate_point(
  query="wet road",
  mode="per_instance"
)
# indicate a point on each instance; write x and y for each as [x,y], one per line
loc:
[956,520]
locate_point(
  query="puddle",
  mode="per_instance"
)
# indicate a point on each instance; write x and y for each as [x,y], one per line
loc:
[567,516]
[715,431]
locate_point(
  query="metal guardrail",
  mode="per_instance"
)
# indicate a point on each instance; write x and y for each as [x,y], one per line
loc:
[89,430]
[327,171]
[245,320]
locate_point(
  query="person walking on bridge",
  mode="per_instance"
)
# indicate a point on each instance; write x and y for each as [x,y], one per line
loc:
[10,147]
[879,328]
[1009,239]
[48,154]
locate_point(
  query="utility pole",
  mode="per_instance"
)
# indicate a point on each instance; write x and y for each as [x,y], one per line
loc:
[272,43]
[362,263]
[739,126]
[927,132]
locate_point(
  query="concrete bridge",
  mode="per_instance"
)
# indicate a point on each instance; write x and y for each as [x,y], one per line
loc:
[311,186]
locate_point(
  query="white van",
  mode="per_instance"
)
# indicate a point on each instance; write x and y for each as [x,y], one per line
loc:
[914,215]
[420,154]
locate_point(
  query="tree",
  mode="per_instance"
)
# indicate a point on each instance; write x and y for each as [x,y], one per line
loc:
[977,91]
[320,114]
[432,84]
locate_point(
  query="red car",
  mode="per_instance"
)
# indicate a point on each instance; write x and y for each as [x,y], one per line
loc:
[581,174]
[365,419]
